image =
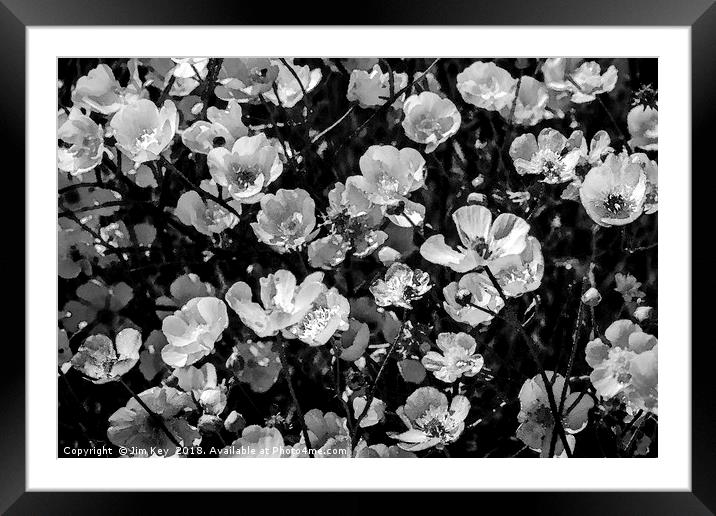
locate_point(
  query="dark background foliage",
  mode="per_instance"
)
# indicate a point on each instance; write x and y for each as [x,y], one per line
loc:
[562,227]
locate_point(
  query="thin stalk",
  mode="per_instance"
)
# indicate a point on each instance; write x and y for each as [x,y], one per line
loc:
[287,374]
[328,129]
[570,363]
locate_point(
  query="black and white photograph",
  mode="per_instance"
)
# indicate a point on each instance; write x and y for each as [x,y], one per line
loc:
[375,257]
[406,231]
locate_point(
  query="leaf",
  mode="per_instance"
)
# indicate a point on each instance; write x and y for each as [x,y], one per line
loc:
[411,370]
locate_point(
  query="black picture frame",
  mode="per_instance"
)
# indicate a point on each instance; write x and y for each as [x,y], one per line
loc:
[700,15]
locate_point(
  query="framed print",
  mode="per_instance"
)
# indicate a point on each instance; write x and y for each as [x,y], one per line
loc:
[421,241]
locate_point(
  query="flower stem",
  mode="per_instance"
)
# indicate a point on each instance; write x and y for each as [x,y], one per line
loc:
[287,374]
[570,364]
[213,68]
[496,284]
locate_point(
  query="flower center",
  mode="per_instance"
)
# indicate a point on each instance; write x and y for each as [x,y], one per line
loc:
[620,359]
[617,205]
[463,297]
[214,212]
[244,177]
[314,322]
[388,184]
[550,164]
[146,139]
[543,416]
[481,247]
[429,125]
[290,225]
[437,423]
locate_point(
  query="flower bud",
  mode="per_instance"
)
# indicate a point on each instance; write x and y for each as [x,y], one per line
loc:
[463,297]
[235,422]
[591,297]
[642,313]
[209,424]
[478,181]
[476,198]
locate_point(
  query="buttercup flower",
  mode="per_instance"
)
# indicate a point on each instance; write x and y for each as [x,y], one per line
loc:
[189,66]
[613,194]
[353,221]
[430,421]
[628,287]
[247,169]
[244,79]
[381,451]
[537,423]
[161,70]
[75,250]
[375,413]
[290,90]
[401,286]
[598,148]
[354,341]
[487,86]
[483,241]
[132,427]
[372,88]
[591,297]
[651,173]
[150,358]
[142,131]
[642,313]
[463,298]
[222,129]
[84,144]
[532,99]
[520,273]
[257,443]
[626,366]
[193,330]
[328,434]
[182,290]
[430,119]
[203,385]
[548,155]
[207,217]
[388,176]
[99,91]
[458,357]
[101,361]
[359,63]
[286,220]
[584,81]
[97,304]
[284,302]
[643,124]
[255,363]
[328,315]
